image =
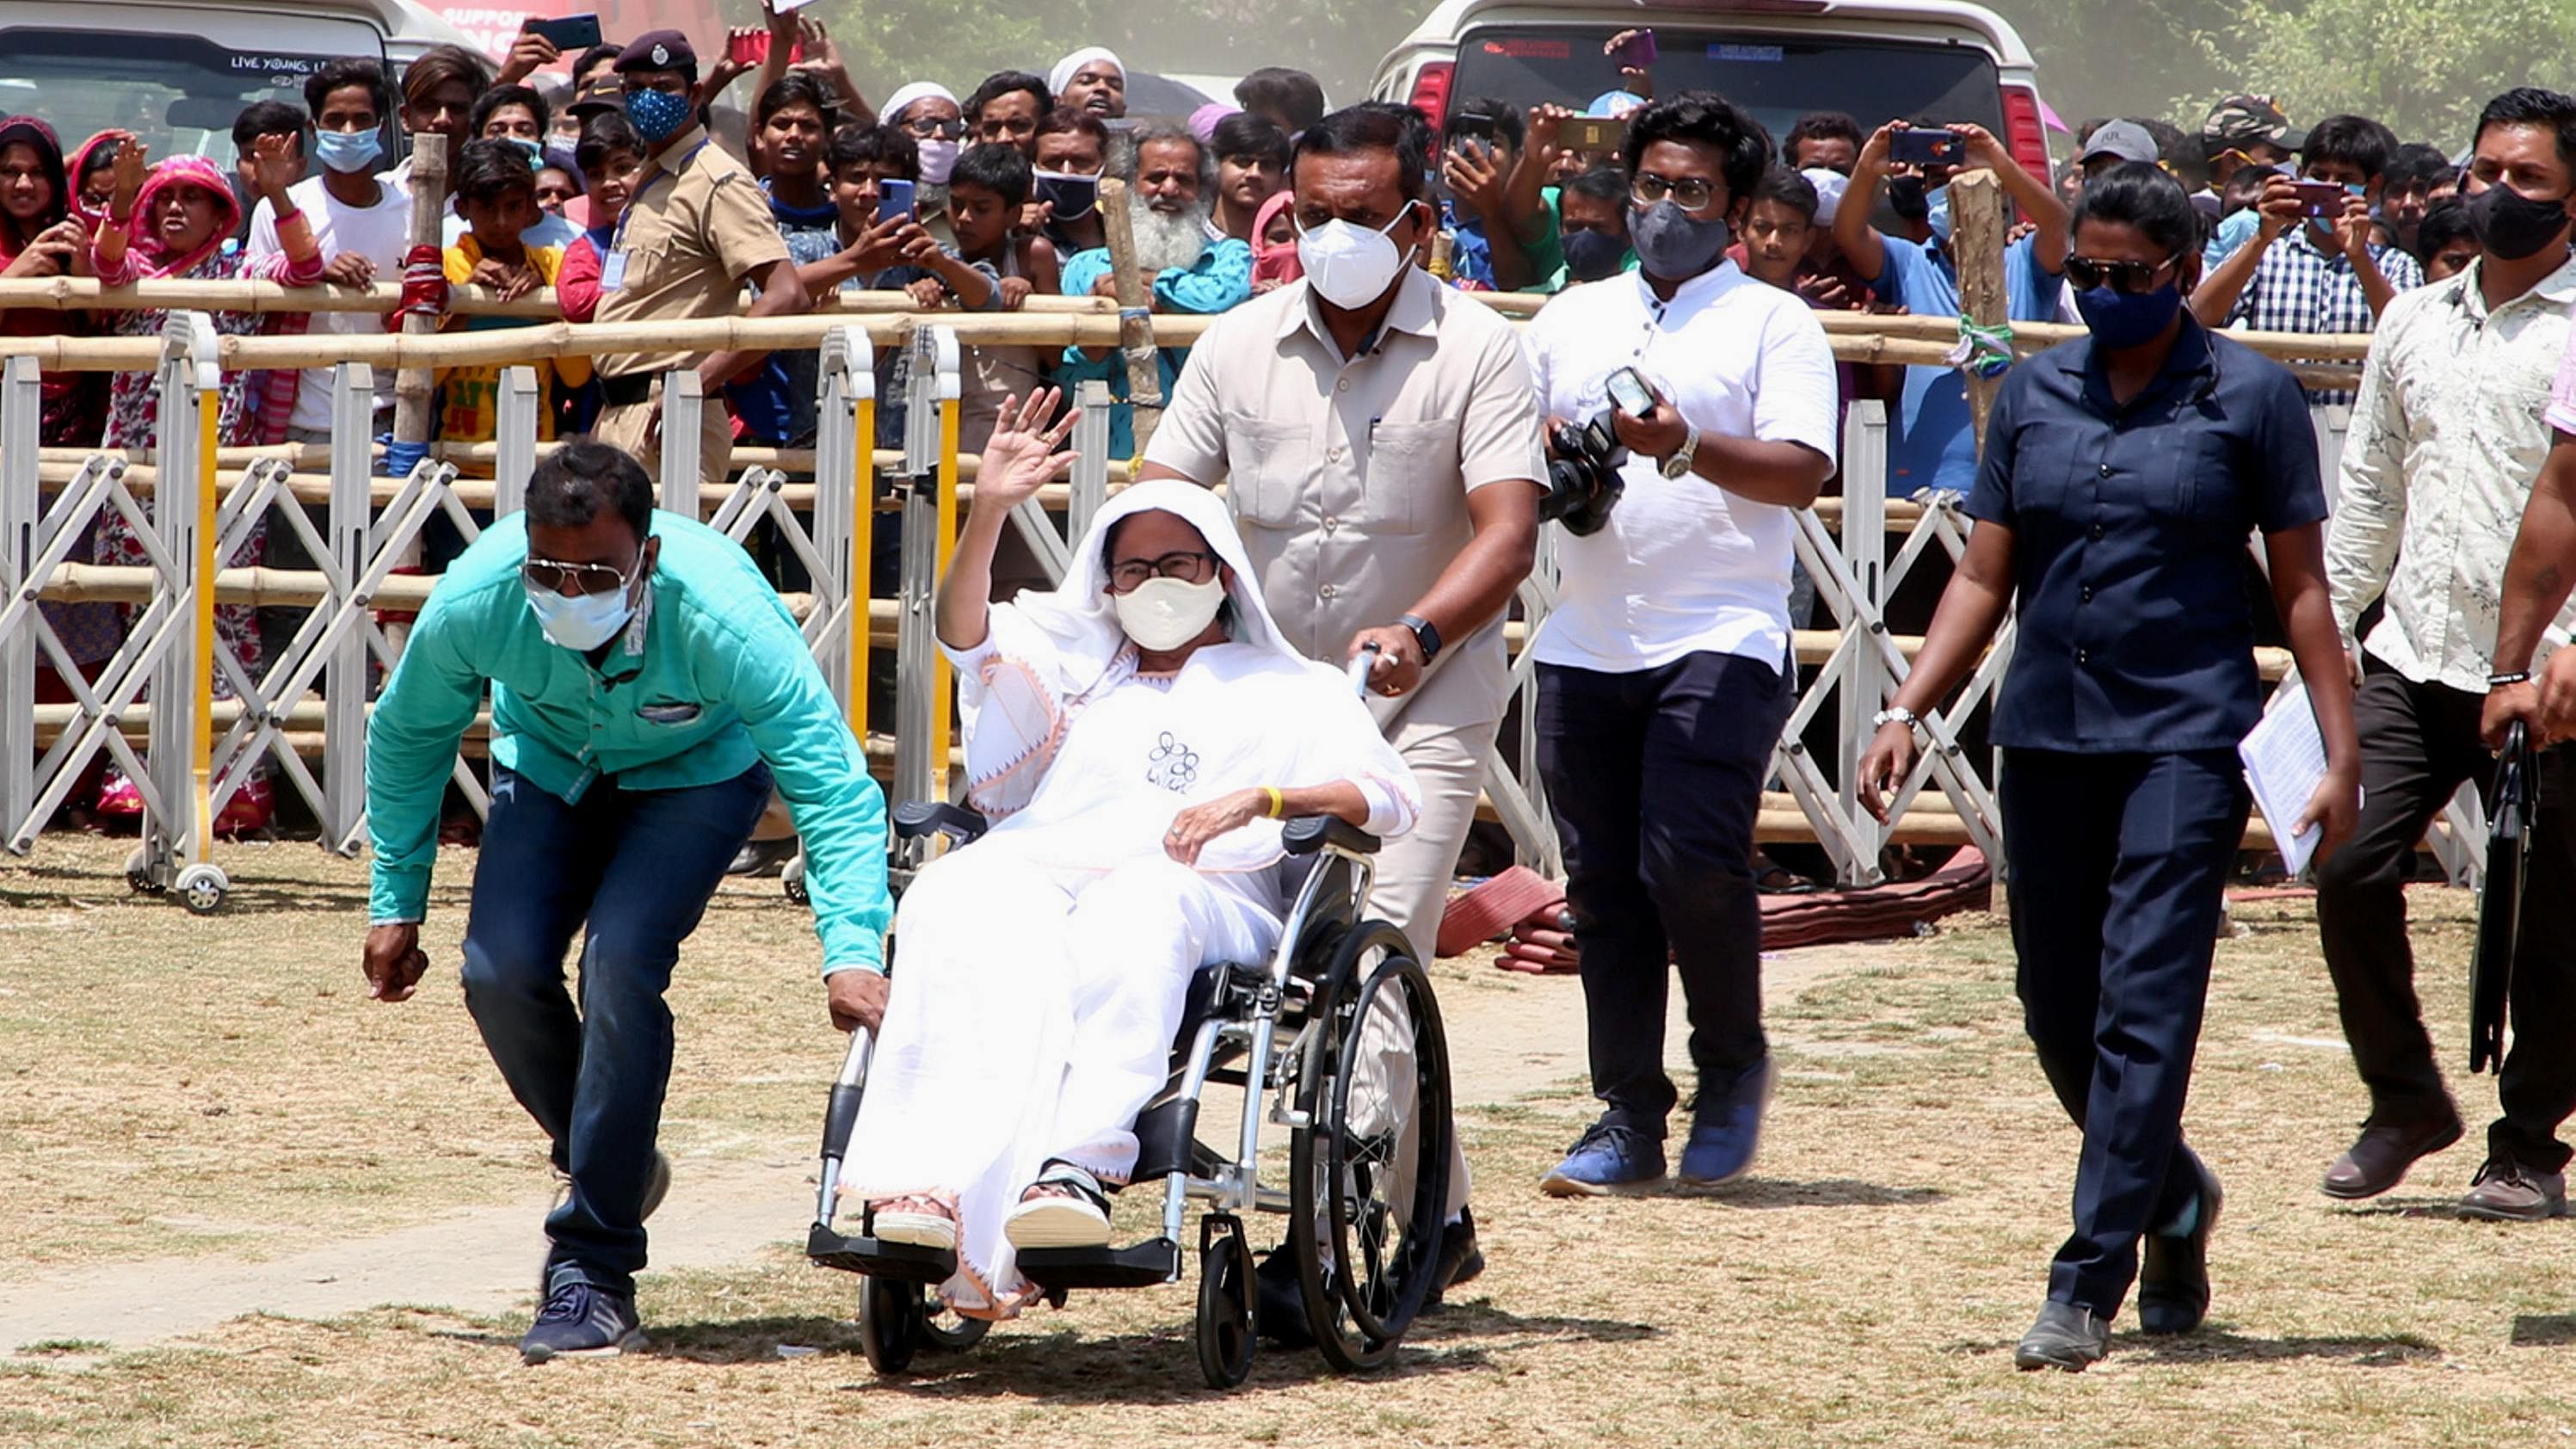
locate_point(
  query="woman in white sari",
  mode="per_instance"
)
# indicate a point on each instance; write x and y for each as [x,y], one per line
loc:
[1137,736]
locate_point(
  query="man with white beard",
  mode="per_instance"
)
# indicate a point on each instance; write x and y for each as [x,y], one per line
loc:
[1172,181]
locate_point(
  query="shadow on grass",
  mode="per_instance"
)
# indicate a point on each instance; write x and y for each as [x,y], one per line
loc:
[52,887]
[1763,1192]
[2536,1330]
[2220,1346]
[2404,1207]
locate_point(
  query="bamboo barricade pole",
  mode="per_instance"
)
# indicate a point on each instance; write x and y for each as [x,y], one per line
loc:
[88,294]
[415,385]
[1977,248]
[1135,315]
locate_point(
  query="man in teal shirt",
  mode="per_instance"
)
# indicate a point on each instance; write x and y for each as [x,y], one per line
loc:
[647,688]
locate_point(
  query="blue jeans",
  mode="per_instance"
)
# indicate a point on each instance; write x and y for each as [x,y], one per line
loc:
[638,866]
[1656,776]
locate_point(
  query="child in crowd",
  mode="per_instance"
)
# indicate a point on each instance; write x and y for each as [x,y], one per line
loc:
[992,270]
[608,154]
[171,223]
[496,193]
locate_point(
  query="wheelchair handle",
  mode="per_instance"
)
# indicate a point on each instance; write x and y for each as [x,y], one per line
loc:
[1362,665]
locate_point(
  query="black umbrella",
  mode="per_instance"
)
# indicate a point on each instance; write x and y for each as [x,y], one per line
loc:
[2500,902]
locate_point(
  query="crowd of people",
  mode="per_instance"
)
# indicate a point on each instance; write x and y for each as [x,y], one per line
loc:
[1390,450]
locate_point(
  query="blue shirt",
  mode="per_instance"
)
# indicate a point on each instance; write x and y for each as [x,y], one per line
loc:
[1219,281]
[1935,439]
[725,681]
[2129,527]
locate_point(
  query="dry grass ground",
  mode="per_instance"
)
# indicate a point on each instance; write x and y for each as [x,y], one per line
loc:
[172,1086]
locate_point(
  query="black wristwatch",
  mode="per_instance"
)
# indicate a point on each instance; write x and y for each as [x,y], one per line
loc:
[1423,634]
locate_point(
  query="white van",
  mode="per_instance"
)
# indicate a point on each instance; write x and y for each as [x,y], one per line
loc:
[178,71]
[1941,60]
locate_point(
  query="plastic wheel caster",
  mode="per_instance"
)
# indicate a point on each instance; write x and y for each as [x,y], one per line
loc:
[1228,1304]
[792,881]
[892,1323]
[201,888]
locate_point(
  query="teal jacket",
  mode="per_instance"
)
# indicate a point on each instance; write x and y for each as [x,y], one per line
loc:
[725,680]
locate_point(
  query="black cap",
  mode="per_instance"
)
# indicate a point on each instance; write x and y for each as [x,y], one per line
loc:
[658,50]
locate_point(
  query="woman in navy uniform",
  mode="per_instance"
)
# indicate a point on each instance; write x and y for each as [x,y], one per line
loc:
[2122,474]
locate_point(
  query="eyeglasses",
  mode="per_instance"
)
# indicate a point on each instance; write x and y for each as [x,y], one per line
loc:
[2088,273]
[571,578]
[1690,193]
[933,126]
[1190,566]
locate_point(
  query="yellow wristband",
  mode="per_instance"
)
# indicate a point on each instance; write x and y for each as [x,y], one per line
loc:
[1278,802]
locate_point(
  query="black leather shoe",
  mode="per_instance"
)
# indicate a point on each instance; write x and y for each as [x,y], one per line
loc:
[2065,1337]
[1280,1313]
[1460,1259]
[2379,1159]
[2173,1281]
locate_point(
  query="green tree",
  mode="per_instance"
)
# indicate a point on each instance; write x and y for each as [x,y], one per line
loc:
[2424,67]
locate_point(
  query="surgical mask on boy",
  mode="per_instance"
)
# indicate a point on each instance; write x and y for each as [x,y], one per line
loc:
[347,152]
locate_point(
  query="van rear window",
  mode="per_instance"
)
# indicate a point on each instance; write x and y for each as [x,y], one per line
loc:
[1777,77]
[178,92]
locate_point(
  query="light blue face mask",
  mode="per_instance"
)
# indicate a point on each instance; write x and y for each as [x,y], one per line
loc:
[535,151]
[1938,199]
[347,151]
[583,622]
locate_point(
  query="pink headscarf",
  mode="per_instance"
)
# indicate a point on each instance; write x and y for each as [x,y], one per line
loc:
[170,173]
[1274,261]
[1203,121]
[104,140]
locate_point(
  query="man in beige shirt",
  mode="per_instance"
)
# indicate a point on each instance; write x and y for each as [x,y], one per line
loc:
[696,227]
[1380,438]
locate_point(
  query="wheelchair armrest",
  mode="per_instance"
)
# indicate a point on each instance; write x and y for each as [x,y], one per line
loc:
[916,818]
[1310,833]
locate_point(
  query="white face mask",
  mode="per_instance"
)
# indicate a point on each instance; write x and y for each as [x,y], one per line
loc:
[1161,614]
[938,161]
[581,623]
[1352,266]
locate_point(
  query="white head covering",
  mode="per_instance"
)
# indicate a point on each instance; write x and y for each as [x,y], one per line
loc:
[1829,186]
[909,92]
[1071,66]
[1077,615]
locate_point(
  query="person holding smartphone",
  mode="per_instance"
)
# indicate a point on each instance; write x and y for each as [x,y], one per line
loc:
[1935,442]
[1664,673]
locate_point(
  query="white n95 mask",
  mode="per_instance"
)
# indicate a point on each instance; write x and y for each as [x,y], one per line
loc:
[582,623]
[1352,266]
[1162,614]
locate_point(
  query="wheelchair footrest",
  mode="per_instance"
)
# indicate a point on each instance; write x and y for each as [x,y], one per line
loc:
[904,1262]
[1142,1266]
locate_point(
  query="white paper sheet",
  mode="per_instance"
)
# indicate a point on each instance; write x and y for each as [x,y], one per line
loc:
[2285,762]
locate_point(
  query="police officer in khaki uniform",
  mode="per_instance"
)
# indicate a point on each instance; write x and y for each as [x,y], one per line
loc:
[696,228]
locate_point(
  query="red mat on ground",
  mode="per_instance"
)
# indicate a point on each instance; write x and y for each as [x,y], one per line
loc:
[1967,883]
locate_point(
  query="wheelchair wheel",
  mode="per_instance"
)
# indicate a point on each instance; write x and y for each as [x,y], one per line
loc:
[1368,1198]
[1228,1302]
[893,1323]
[946,1329]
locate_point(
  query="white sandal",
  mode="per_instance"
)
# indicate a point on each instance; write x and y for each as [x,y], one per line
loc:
[919,1229]
[1077,1217]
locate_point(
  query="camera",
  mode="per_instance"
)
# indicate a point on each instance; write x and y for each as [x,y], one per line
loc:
[1583,482]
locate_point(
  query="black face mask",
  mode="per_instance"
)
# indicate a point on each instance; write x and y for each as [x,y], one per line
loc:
[1909,198]
[2511,225]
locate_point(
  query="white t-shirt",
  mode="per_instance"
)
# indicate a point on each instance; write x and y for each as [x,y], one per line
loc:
[1682,566]
[377,232]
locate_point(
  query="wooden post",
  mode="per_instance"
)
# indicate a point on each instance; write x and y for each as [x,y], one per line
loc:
[415,389]
[1977,248]
[1135,315]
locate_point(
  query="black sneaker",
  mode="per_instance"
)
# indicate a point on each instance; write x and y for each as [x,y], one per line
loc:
[580,1321]
[1460,1258]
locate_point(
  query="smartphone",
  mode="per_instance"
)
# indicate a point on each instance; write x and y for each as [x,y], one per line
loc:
[1629,393]
[571,34]
[1637,52]
[1072,196]
[1470,128]
[894,200]
[2321,199]
[1593,133]
[1927,146]
[751,47]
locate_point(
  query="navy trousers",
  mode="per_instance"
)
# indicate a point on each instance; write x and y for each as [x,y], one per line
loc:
[1656,776]
[2119,863]
[638,866]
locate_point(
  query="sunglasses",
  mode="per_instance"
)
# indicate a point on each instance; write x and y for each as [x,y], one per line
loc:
[1190,566]
[928,126]
[572,578]
[1690,193]
[2088,273]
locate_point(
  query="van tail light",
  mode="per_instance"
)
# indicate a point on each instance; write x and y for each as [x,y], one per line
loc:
[2024,135]
[1431,91]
